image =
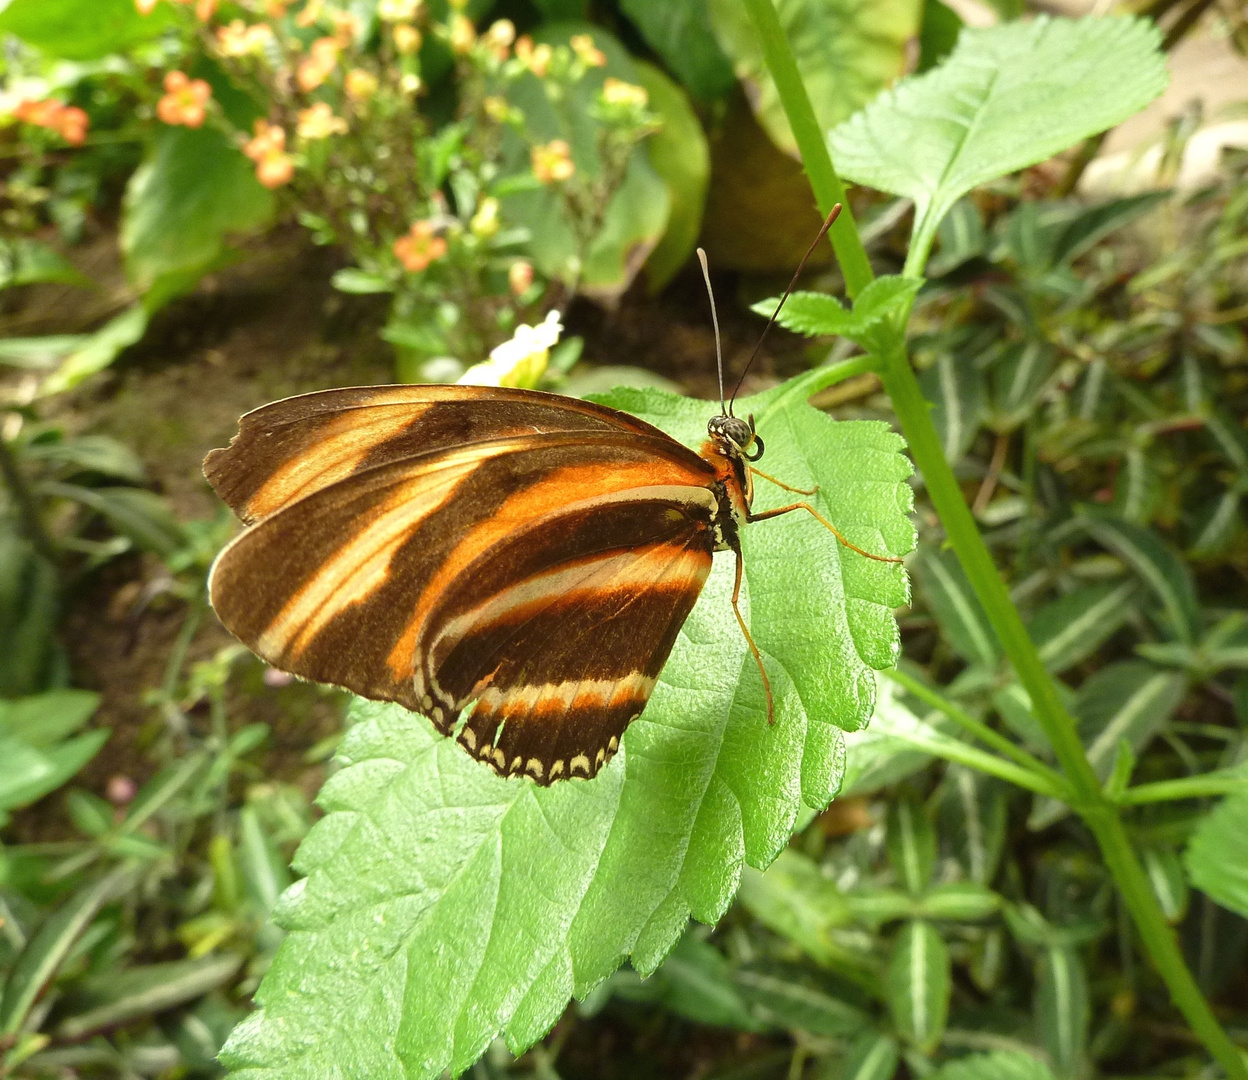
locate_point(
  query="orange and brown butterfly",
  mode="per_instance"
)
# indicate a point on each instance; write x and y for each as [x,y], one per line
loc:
[529,555]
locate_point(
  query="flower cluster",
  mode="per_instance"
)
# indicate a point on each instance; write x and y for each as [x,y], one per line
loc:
[239,39]
[319,122]
[267,148]
[185,101]
[552,162]
[319,64]
[68,121]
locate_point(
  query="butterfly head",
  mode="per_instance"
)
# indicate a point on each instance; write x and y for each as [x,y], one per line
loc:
[735,437]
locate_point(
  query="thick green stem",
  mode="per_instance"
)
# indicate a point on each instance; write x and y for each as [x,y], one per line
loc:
[914,414]
[823,179]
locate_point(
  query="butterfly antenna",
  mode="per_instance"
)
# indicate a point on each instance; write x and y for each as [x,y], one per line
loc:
[719,356]
[827,224]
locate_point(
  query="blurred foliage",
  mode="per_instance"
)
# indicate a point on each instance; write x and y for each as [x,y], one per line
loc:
[1089,372]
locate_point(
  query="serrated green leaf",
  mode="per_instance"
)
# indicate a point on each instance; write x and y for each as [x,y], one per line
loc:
[1062,1010]
[846,52]
[680,32]
[1159,567]
[999,1065]
[1071,628]
[1217,854]
[679,153]
[193,191]
[920,982]
[911,842]
[976,117]
[82,29]
[957,609]
[818,314]
[442,904]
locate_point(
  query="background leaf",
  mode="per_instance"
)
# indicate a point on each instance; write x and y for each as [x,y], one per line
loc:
[442,903]
[938,135]
[846,52]
[1217,854]
[82,29]
[680,32]
[1000,1065]
[920,981]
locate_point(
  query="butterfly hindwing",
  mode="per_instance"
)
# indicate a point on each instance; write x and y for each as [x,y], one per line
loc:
[553,568]
[291,448]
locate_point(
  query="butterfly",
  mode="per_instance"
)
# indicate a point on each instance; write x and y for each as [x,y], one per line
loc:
[529,555]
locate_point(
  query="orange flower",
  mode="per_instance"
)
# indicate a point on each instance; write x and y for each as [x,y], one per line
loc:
[68,121]
[268,139]
[346,28]
[552,162]
[418,247]
[276,9]
[274,170]
[185,101]
[535,57]
[319,65]
[586,51]
[319,122]
[205,9]
[310,13]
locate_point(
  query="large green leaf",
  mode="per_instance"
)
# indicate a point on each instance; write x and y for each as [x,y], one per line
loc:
[442,904]
[847,51]
[1000,1065]
[1217,855]
[680,32]
[82,29]
[1007,97]
[920,983]
[193,191]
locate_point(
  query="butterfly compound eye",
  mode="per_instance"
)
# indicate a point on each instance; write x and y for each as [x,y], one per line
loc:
[731,430]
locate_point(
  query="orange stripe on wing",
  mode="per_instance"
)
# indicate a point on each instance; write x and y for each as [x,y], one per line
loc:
[341,446]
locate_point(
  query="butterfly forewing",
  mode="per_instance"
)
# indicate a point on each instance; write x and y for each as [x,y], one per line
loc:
[543,574]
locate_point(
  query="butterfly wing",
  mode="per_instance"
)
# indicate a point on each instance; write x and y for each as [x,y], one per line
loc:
[294,447]
[547,570]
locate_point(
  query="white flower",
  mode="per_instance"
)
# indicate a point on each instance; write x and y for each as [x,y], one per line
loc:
[521,360]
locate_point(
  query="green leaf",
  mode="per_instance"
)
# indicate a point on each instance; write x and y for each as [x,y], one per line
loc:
[873,1056]
[442,904]
[91,454]
[959,901]
[919,983]
[117,997]
[44,952]
[818,314]
[44,719]
[1165,873]
[973,821]
[1094,223]
[680,32]
[999,1065]
[1008,96]
[956,391]
[351,279]
[846,52]
[24,261]
[99,350]
[1128,700]
[911,843]
[875,757]
[193,191]
[1062,1010]
[796,999]
[82,29]
[957,609]
[678,152]
[1161,569]
[939,33]
[30,773]
[1217,854]
[142,516]
[1074,626]
[962,238]
[1016,380]
[796,901]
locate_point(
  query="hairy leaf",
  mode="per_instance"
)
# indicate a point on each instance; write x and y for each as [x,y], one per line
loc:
[936,136]
[442,904]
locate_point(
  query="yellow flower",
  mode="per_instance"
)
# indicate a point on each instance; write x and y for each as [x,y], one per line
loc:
[310,13]
[496,108]
[463,34]
[499,36]
[535,57]
[239,39]
[586,51]
[319,64]
[520,277]
[407,39]
[552,162]
[399,10]
[319,122]
[619,92]
[145,6]
[360,85]
[485,221]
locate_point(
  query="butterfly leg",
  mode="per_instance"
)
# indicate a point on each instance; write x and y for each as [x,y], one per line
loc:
[826,524]
[758,658]
[782,484]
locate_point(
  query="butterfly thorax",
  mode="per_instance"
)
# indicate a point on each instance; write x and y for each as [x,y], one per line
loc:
[728,451]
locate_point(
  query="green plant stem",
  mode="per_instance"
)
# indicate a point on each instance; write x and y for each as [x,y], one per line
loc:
[914,416]
[826,184]
[980,730]
[1221,782]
